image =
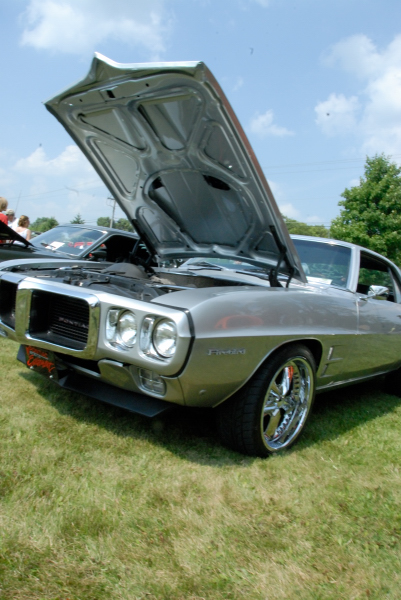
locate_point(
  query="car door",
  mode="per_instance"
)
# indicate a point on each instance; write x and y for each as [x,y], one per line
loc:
[379,316]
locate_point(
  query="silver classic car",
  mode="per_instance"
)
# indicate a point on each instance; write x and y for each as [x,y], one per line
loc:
[224,310]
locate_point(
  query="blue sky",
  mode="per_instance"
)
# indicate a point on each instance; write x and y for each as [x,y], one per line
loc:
[316,84]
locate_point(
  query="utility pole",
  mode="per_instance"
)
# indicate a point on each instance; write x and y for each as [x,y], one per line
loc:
[113,206]
[16,208]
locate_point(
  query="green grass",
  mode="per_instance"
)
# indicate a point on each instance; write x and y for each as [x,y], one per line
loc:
[96,503]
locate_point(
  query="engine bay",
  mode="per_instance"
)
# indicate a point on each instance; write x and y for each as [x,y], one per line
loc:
[130,280]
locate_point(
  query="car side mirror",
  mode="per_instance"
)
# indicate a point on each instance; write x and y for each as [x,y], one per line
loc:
[379,292]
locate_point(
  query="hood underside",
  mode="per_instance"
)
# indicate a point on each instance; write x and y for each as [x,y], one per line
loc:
[168,146]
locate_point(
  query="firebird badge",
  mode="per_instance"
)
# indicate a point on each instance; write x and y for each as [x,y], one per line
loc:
[41,360]
[218,352]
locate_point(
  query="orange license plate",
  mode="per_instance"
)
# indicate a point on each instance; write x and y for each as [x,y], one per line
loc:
[42,361]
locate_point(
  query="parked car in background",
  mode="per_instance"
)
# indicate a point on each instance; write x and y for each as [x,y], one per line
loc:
[78,242]
[229,313]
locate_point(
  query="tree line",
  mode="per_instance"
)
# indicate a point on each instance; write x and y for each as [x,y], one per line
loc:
[370,213]
[43,224]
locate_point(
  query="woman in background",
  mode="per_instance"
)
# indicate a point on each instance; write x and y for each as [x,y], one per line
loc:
[22,227]
[3,206]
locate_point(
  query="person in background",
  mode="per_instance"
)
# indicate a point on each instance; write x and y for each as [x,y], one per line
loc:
[22,227]
[12,221]
[3,207]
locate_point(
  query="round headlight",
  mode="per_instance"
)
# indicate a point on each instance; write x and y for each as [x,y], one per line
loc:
[127,329]
[165,338]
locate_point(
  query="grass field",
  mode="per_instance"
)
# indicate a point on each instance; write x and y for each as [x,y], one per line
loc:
[96,503]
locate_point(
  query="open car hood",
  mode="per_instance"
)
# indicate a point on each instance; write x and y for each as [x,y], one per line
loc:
[167,144]
[9,235]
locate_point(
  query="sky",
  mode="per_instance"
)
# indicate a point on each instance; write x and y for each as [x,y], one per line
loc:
[316,84]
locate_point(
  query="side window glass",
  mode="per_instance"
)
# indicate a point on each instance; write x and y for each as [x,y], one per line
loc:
[377,273]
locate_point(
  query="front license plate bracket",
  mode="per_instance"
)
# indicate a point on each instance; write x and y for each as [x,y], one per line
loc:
[42,361]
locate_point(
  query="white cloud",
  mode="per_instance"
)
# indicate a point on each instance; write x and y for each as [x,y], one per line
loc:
[5,178]
[289,211]
[375,114]
[248,4]
[238,84]
[61,187]
[356,54]
[70,161]
[78,26]
[354,182]
[276,189]
[314,220]
[359,56]
[263,126]
[337,114]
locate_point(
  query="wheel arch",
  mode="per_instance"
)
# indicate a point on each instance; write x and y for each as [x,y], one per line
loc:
[313,345]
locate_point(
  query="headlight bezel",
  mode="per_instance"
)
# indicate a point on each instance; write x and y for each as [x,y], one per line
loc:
[149,327]
[160,326]
[122,332]
[154,337]
[114,334]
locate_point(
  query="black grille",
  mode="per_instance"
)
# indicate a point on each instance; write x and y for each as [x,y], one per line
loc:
[59,319]
[8,295]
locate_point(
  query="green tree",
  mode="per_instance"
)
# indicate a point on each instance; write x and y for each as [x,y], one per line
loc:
[103,221]
[299,228]
[43,224]
[371,216]
[77,220]
[122,223]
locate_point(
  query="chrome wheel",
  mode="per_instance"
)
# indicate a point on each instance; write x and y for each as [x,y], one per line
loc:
[270,412]
[287,403]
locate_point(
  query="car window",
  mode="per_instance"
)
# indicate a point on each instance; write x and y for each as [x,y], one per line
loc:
[375,272]
[324,262]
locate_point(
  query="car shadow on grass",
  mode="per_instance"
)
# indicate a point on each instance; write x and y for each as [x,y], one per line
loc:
[192,433]
[187,432]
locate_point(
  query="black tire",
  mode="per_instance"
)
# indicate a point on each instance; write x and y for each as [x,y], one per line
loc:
[269,413]
[392,383]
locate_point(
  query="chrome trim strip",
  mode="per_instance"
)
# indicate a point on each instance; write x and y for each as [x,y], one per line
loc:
[346,382]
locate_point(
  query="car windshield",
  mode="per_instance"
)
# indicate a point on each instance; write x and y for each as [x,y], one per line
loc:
[324,262]
[66,239]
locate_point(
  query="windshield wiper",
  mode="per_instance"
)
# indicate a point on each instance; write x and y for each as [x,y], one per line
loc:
[206,265]
[48,246]
[56,250]
[260,273]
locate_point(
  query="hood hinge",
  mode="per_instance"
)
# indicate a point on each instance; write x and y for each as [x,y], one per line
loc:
[274,271]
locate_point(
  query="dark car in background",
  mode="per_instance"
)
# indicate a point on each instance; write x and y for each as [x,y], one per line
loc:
[79,242]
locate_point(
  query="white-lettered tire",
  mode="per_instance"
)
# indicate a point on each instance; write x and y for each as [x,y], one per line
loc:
[269,413]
